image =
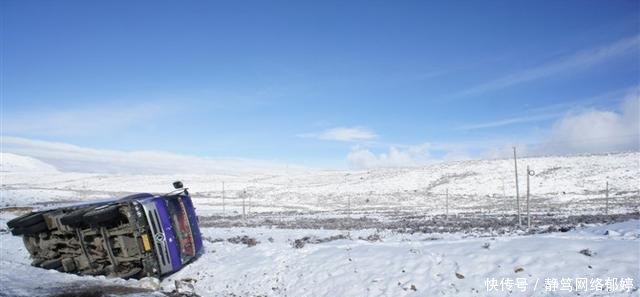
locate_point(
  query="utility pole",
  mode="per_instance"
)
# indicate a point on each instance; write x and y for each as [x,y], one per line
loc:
[244,196]
[515,165]
[606,191]
[223,206]
[529,173]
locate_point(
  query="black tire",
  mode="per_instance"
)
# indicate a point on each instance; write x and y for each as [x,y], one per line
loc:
[34,229]
[51,264]
[26,220]
[16,231]
[101,214]
[14,222]
[74,218]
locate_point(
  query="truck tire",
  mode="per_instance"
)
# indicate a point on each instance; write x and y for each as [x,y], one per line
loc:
[74,218]
[16,231]
[51,264]
[14,222]
[101,214]
[35,229]
[26,220]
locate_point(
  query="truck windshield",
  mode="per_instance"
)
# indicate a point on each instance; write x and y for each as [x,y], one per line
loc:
[181,227]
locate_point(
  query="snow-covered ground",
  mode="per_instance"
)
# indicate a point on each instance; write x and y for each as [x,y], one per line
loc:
[561,184]
[365,256]
[371,263]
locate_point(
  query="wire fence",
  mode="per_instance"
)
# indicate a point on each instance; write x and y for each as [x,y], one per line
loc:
[441,198]
[245,202]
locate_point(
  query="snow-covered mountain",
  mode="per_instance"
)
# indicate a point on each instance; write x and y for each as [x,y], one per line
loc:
[17,163]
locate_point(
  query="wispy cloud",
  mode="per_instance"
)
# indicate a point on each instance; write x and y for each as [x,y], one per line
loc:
[82,120]
[68,157]
[575,131]
[509,121]
[549,112]
[584,58]
[346,134]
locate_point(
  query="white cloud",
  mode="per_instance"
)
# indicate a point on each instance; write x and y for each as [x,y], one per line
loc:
[360,157]
[346,134]
[584,58]
[67,157]
[597,131]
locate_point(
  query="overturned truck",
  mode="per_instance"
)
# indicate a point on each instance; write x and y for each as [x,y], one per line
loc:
[131,237]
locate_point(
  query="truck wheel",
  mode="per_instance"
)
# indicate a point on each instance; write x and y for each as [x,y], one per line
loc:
[74,218]
[34,229]
[14,222]
[16,231]
[26,220]
[51,264]
[101,214]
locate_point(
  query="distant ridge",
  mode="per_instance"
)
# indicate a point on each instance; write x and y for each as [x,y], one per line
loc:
[17,163]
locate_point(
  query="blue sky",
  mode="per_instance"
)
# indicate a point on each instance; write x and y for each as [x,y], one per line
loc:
[320,83]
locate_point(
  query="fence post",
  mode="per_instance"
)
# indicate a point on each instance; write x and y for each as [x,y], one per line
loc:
[606,191]
[529,173]
[223,206]
[348,196]
[244,196]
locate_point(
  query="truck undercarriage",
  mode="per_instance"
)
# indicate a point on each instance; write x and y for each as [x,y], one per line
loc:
[103,240]
[89,241]
[130,237]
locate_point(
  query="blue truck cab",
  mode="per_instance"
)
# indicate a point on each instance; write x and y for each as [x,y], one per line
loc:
[130,237]
[173,225]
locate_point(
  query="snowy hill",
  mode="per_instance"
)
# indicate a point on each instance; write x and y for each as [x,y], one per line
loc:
[564,182]
[17,163]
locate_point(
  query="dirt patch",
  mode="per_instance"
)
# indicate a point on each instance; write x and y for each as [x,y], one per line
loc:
[301,242]
[249,241]
[371,238]
[16,210]
[549,171]
[471,222]
[445,179]
[82,290]
[212,240]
